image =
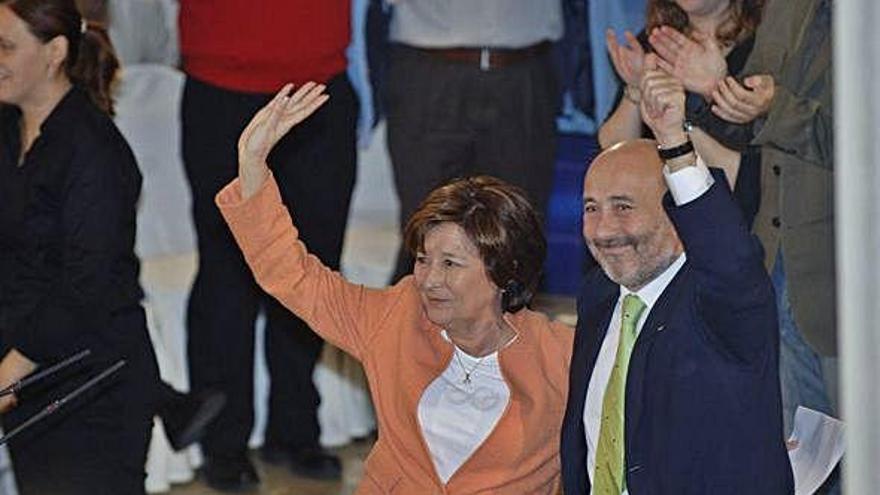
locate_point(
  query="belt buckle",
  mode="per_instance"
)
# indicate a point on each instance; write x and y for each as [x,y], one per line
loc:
[485,59]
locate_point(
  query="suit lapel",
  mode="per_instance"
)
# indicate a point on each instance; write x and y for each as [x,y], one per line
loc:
[594,312]
[654,326]
[593,319]
[595,327]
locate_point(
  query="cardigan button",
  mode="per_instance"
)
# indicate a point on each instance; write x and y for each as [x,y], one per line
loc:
[776,222]
[776,170]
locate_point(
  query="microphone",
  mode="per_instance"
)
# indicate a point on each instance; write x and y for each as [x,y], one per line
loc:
[17,386]
[59,403]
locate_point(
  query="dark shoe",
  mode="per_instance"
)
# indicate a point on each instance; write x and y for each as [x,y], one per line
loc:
[229,475]
[274,454]
[310,463]
[369,438]
[315,464]
[187,416]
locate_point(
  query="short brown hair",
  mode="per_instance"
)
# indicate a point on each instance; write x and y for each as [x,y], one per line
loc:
[501,222]
[742,21]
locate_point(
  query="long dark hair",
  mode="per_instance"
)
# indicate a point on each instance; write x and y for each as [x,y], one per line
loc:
[91,62]
[744,17]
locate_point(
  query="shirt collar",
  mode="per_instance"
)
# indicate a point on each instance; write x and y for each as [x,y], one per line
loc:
[652,290]
[65,112]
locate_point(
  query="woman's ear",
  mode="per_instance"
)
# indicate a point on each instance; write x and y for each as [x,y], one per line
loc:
[512,296]
[58,49]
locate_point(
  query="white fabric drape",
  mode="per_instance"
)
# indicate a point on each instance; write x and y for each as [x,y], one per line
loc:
[857,181]
[148,104]
[144,31]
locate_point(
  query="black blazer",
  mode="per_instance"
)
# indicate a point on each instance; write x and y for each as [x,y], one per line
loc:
[703,408]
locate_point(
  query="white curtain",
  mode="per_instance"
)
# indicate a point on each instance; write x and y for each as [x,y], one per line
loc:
[857,176]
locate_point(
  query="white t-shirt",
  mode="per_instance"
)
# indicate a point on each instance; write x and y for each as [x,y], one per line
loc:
[457,417]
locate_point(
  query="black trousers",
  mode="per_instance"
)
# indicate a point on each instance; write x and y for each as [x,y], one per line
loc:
[450,119]
[315,170]
[96,444]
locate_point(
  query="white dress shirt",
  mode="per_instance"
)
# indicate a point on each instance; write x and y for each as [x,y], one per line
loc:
[685,185]
[469,23]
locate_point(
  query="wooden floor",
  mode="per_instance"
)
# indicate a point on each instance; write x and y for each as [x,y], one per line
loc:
[277,480]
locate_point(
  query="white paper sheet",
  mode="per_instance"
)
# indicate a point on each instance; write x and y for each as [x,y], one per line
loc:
[819,447]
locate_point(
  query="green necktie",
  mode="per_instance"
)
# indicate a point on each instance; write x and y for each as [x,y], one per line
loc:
[609,478]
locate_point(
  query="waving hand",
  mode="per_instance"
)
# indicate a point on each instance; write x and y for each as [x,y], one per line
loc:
[268,126]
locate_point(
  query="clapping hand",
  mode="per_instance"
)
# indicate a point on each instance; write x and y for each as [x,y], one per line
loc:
[268,126]
[699,62]
[628,59]
[741,105]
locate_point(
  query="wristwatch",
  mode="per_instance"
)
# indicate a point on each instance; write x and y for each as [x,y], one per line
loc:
[667,154]
[687,126]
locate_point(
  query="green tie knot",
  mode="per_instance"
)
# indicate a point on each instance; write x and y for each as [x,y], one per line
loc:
[632,311]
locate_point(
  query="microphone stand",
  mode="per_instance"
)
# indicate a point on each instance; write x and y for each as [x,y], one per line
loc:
[59,403]
[17,386]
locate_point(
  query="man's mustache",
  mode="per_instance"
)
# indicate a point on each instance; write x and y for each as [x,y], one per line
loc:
[614,242]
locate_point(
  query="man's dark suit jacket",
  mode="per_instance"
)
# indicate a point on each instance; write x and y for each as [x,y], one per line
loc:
[703,409]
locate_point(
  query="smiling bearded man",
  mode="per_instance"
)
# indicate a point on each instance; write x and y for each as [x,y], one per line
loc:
[674,385]
[625,226]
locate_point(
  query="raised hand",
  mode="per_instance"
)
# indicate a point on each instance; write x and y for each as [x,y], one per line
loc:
[663,104]
[628,59]
[738,104]
[699,63]
[268,126]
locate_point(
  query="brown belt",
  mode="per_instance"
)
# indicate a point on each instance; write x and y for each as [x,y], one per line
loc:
[487,58]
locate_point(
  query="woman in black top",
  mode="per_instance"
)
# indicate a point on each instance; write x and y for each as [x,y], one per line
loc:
[719,34]
[699,42]
[68,274]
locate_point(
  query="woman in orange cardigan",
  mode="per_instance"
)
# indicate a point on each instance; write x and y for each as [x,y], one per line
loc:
[469,385]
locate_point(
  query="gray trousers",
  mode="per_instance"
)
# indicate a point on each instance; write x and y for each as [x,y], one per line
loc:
[451,119]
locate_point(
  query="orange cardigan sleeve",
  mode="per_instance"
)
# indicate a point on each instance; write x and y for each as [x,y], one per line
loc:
[343,313]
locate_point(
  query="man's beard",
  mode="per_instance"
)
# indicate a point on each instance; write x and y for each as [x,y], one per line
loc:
[649,265]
